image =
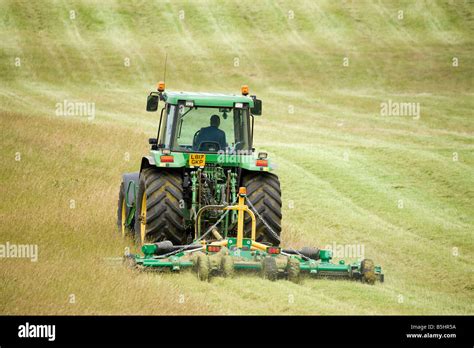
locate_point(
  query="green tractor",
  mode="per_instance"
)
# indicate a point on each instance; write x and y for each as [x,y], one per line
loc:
[204,199]
[202,154]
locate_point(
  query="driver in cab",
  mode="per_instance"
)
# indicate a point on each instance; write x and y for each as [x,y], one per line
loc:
[211,135]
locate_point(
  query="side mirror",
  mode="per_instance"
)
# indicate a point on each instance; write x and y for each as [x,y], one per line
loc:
[153,142]
[152,102]
[257,107]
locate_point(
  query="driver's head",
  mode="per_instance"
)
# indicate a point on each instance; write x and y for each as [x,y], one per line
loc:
[215,121]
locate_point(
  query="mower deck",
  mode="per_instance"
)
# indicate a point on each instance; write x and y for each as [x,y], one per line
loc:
[248,260]
[225,258]
[227,255]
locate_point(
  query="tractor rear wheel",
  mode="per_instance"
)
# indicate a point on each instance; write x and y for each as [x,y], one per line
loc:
[158,215]
[123,229]
[263,191]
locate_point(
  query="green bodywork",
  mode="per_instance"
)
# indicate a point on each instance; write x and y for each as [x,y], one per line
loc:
[181,160]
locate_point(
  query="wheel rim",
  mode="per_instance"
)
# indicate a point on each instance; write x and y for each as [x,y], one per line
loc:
[124,217]
[143,218]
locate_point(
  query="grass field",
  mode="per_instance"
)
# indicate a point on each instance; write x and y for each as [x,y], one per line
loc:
[403,186]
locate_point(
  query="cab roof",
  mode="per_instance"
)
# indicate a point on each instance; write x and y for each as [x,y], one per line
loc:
[207,99]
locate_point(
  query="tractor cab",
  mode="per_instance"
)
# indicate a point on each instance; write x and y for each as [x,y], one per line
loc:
[204,122]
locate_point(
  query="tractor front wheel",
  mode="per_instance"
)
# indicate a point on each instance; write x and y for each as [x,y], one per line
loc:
[123,229]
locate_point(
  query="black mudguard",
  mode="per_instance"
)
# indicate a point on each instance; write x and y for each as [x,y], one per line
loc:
[130,184]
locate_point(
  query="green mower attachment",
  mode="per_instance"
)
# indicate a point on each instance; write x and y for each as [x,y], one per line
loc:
[227,256]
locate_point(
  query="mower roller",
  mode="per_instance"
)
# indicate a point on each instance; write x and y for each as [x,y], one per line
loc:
[200,178]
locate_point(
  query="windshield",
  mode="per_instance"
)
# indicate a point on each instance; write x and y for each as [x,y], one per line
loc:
[210,129]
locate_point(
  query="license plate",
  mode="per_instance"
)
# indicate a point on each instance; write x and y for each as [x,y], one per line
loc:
[197,160]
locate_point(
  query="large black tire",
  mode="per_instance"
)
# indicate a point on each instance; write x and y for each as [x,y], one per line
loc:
[164,218]
[122,214]
[263,190]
